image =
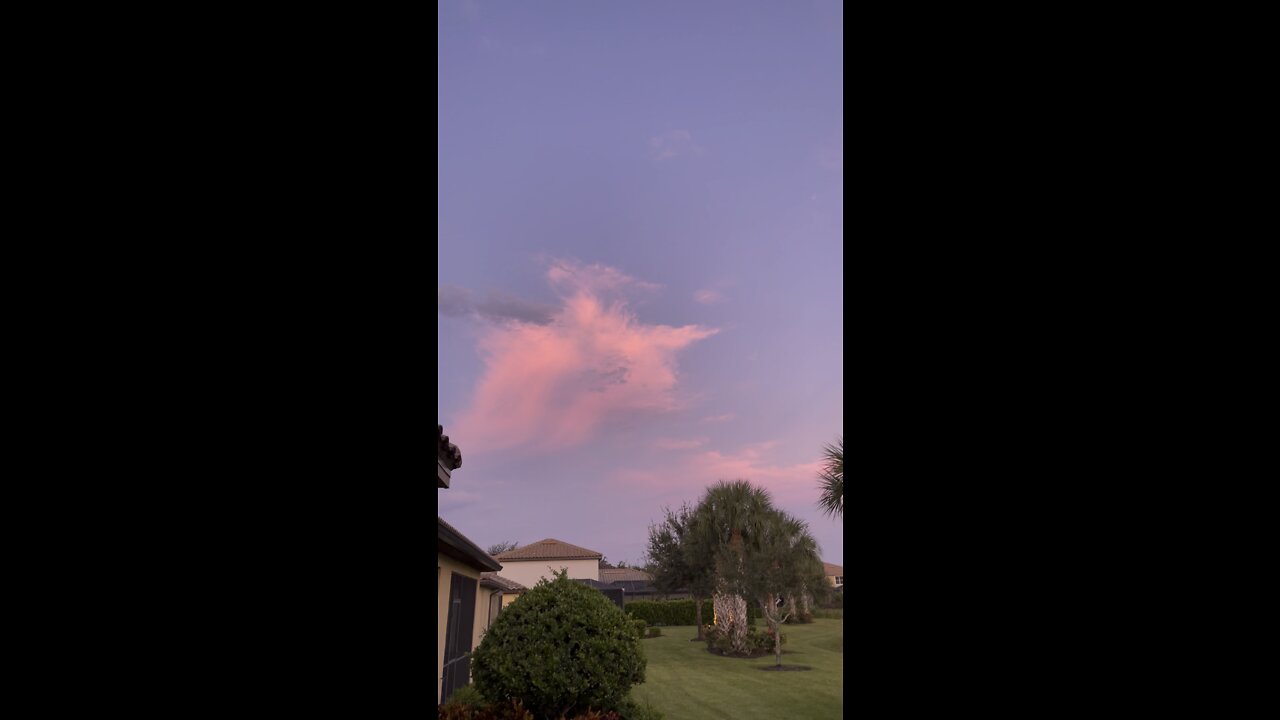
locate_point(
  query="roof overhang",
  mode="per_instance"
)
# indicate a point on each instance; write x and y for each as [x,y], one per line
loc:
[456,545]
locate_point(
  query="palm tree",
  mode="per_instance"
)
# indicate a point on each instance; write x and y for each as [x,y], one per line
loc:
[780,563]
[831,502]
[724,520]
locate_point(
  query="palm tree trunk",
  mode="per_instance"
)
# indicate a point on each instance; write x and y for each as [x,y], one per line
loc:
[731,617]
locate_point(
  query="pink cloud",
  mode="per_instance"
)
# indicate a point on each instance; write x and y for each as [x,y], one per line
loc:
[719,418]
[707,297]
[684,477]
[555,385]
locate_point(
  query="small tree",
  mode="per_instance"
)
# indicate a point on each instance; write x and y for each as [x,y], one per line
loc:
[677,560]
[502,547]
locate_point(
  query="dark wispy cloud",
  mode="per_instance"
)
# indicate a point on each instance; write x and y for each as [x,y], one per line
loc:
[494,306]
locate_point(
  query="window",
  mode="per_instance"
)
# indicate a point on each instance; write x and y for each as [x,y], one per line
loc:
[839,580]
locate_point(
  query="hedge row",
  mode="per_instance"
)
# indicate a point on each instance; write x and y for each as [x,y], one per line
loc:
[677,612]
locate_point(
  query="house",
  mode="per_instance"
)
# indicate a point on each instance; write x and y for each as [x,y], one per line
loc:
[509,589]
[462,611]
[528,564]
[835,574]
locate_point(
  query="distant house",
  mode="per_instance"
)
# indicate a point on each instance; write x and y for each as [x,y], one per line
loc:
[462,612]
[543,559]
[835,574]
[608,575]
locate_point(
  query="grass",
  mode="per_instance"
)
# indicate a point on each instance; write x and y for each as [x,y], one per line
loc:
[686,682]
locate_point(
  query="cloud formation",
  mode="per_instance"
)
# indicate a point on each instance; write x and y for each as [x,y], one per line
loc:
[495,307]
[556,384]
[707,297]
[719,418]
[685,476]
[673,143]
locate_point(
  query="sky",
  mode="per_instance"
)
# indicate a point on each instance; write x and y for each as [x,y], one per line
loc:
[641,261]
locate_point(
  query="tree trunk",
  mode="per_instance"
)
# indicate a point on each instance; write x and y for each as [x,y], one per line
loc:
[768,606]
[697,609]
[731,617]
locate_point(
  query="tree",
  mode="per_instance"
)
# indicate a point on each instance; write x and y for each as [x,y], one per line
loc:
[831,502]
[778,560]
[722,524]
[502,547]
[676,560]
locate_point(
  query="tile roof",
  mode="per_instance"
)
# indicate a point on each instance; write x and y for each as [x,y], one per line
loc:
[612,574]
[460,547]
[493,579]
[634,586]
[446,452]
[835,570]
[549,549]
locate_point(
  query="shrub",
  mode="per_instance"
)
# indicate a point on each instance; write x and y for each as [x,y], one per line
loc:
[563,649]
[758,642]
[654,632]
[837,614]
[466,695]
[802,618]
[640,626]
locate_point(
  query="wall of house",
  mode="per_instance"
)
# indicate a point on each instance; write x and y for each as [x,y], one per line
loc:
[529,572]
[508,598]
[445,567]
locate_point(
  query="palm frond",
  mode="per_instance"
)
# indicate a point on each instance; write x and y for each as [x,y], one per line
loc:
[831,499]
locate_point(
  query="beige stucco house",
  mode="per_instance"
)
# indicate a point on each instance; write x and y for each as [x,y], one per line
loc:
[465,606]
[528,564]
[510,590]
[835,574]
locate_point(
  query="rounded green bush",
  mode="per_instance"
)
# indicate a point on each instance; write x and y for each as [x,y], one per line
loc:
[562,649]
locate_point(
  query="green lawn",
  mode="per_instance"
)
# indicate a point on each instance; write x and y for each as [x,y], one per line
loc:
[686,682]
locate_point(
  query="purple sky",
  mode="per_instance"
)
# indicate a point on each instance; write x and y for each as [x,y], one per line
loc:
[641,279]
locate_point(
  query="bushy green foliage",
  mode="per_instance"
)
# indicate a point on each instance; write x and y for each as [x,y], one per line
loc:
[758,642]
[836,614]
[654,632]
[640,625]
[800,618]
[678,612]
[466,695]
[564,648]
